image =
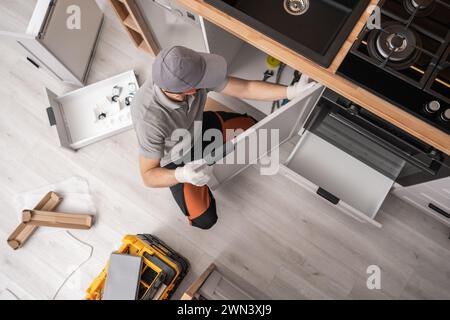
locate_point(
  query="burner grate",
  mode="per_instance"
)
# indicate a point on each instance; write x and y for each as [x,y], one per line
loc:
[407,61]
[420,43]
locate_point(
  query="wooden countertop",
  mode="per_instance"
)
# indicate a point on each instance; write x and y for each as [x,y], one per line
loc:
[328,77]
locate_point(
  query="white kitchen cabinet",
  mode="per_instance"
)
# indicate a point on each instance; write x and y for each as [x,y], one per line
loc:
[244,61]
[88,115]
[341,182]
[431,197]
[318,166]
[440,186]
[172,25]
[49,44]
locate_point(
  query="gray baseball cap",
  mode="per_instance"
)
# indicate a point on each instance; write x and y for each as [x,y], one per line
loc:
[180,69]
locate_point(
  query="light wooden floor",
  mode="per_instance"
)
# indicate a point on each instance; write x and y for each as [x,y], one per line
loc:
[273,237]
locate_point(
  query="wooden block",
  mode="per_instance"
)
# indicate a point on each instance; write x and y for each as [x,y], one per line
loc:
[192,290]
[24,231]
[57,219]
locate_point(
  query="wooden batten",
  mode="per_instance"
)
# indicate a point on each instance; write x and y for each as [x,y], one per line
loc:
[24,231]
[57,219]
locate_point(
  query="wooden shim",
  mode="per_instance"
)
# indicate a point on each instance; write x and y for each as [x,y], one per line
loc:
[24,231]
[57,219]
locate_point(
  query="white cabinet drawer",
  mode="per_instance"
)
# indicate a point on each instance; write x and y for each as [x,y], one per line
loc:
[440,186]
[77,114]
[353,187]
[425,192]
[436,205]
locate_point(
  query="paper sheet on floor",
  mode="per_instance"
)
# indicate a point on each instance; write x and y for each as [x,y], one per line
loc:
[74,191]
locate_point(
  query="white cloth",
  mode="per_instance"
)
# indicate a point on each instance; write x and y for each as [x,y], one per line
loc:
[74,191]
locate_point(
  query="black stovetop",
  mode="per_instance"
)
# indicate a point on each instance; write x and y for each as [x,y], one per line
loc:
[407,60]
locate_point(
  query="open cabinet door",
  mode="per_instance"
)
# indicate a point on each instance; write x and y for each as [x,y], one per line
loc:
[288,121]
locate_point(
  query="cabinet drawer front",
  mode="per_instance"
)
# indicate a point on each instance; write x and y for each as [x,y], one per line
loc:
[431,195]
[425,192]
[433,207]
[288,121]
[441,186]
[56,118]
[332,173]
[319,192]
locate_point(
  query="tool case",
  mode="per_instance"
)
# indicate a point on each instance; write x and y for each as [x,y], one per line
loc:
[162,272]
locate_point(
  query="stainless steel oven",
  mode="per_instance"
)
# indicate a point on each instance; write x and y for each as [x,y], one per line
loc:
[377,143]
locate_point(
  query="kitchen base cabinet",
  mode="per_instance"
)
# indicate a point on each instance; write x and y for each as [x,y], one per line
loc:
[343,180]
[172,25]
[244,61]
[433,198]
[353,187]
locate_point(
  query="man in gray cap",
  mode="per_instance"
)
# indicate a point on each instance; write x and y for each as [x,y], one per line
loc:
[173,101]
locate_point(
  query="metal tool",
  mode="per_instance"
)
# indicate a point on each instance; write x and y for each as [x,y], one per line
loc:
[268,74]
[116,91]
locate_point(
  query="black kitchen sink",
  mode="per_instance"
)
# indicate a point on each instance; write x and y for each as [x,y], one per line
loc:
[316,29]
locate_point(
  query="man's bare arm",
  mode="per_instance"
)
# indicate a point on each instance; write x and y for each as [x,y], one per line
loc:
[255,90]
[154,176]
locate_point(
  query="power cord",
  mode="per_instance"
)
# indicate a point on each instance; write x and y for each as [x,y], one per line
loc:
[79,267]
[13,294]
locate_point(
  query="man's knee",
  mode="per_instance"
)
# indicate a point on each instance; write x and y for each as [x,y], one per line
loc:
[207,220]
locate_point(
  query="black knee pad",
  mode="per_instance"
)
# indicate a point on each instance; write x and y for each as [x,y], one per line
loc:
[208,219]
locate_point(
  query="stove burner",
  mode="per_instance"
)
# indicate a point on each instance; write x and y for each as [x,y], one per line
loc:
[422,8]
[407,61]
[395,45]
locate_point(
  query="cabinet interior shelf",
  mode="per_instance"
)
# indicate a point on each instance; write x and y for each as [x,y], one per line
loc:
[135,25]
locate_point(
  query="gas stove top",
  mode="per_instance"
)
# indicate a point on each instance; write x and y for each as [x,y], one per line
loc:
[407,60]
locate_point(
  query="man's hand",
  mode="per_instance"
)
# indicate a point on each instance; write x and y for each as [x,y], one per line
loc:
[259,90]
[197,173]
[298,88]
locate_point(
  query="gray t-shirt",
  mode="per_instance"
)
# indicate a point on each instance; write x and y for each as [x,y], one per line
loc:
[156,117]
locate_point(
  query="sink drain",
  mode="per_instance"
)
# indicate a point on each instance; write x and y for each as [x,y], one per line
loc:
[296,7]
